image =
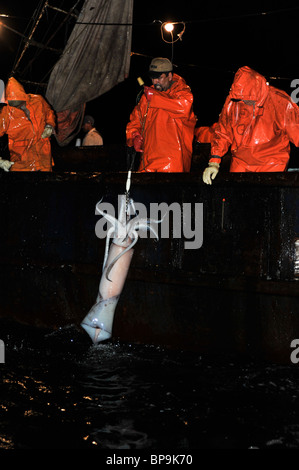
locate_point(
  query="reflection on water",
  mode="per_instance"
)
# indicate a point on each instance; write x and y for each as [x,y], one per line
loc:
[58,391]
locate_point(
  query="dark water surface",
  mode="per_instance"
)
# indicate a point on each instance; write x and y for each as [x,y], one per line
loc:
[57,391]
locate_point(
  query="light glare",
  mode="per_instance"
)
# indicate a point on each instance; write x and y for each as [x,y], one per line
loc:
[169,27]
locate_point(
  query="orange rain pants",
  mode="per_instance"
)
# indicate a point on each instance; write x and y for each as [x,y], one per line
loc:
[27,148]
[167,126]
[258,130]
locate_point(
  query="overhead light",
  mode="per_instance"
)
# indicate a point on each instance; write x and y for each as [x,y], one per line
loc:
[175,29]
[168,27]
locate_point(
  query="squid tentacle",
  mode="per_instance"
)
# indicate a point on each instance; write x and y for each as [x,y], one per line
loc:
[132,228]
[108,237]
[144,224]
[134,241]
[114,222]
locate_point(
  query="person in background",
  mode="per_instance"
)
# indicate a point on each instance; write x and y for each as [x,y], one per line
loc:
[28,121]
[257,123]
[92,136]
[162,124]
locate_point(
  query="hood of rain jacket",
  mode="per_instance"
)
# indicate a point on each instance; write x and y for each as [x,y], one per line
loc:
[257,123]
[14,91]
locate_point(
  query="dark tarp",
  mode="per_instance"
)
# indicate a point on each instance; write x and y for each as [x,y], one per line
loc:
[95,59]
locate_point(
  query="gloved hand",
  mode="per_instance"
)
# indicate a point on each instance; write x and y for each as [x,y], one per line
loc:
[149,93]
[48,131]
[138,142]
[210,173]
[5,164]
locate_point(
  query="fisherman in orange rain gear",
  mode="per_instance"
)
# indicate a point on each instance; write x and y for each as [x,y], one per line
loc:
[28,121]
[258,122]
[162,124]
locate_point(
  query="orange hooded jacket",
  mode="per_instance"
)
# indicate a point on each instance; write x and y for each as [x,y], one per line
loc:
[258,130]
[204,134]
[28,149]
[167,126]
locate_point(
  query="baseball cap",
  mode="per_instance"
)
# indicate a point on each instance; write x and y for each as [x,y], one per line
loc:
[158,66]
[88,119]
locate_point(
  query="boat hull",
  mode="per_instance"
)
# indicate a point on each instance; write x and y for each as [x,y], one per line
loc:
[237,292]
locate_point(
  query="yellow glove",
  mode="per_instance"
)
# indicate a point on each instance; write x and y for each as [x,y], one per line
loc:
[5,164]
[210,173]
[48,130]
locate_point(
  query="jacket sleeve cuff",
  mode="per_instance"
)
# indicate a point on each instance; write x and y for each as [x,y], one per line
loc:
[215,159]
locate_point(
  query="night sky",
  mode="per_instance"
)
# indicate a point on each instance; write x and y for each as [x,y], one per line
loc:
[218,39]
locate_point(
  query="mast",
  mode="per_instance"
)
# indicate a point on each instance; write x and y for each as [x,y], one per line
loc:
[30,37]
[45,33]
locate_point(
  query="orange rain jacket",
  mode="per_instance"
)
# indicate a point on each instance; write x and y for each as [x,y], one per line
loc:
[205,134]
[259,133]
[167,126]
[28,149]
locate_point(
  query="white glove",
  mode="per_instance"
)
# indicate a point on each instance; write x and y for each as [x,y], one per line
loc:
[210,173]
[5,164]
[48,130]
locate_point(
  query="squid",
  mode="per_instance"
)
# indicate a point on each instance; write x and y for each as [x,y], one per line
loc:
[98,322]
